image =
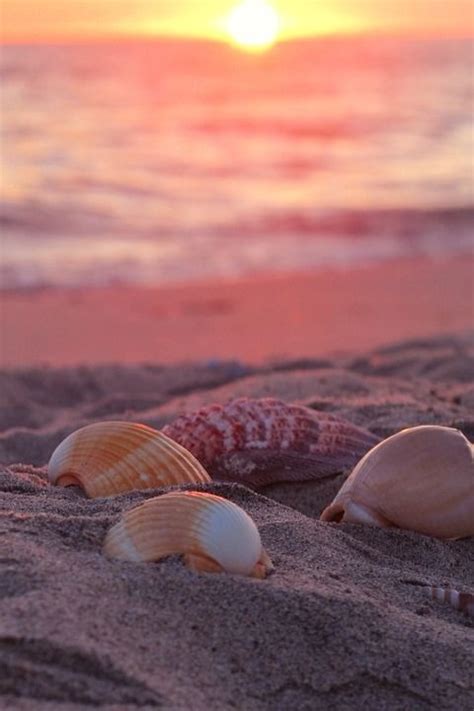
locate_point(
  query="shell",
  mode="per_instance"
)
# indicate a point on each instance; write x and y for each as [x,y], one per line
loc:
[459,600]
[421,479]
[213,533]
[107,458]
[264,441]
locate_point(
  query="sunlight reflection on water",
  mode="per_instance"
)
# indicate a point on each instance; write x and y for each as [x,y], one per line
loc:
[191,160]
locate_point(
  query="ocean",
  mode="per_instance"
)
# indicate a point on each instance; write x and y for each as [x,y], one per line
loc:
[166,161]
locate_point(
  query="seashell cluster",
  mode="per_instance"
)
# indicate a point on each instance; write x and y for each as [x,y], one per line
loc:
[108,458]
[420,479]
[459,600]
[212,533]
[262,441]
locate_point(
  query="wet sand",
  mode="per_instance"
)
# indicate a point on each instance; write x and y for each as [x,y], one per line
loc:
[253,319]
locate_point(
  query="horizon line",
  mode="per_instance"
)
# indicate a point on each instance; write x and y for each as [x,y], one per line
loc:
[415,33]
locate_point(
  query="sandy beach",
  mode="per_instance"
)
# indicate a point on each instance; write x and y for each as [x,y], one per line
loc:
[343,622]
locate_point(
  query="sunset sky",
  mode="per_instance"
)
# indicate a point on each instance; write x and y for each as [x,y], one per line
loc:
[40,20]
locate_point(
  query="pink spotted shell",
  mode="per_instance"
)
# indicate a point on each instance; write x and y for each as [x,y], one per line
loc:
[262,441]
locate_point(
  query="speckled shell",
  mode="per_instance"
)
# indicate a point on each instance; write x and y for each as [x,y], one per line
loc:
[421,479]
[107,458]
[212,533]
[264,441]
[459,600]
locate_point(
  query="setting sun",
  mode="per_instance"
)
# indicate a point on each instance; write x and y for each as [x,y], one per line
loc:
[253,25]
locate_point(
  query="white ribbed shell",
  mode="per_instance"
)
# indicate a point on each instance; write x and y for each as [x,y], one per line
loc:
[107,458]
[192,523]
[421,479]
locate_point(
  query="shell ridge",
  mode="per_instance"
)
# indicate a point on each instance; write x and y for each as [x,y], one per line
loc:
[174,474]
[181,456]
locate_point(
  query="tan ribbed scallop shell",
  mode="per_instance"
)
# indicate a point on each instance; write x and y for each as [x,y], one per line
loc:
[421,479]
[213,534]
[107,458]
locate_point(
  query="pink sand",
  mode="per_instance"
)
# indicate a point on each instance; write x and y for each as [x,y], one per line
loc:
[251,319]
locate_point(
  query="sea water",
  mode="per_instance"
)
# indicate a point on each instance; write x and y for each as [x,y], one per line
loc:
[162,161]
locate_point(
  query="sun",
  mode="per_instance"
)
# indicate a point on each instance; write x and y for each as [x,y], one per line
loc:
[253,25]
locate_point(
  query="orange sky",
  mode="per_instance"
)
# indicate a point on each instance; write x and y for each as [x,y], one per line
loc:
[39,20]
